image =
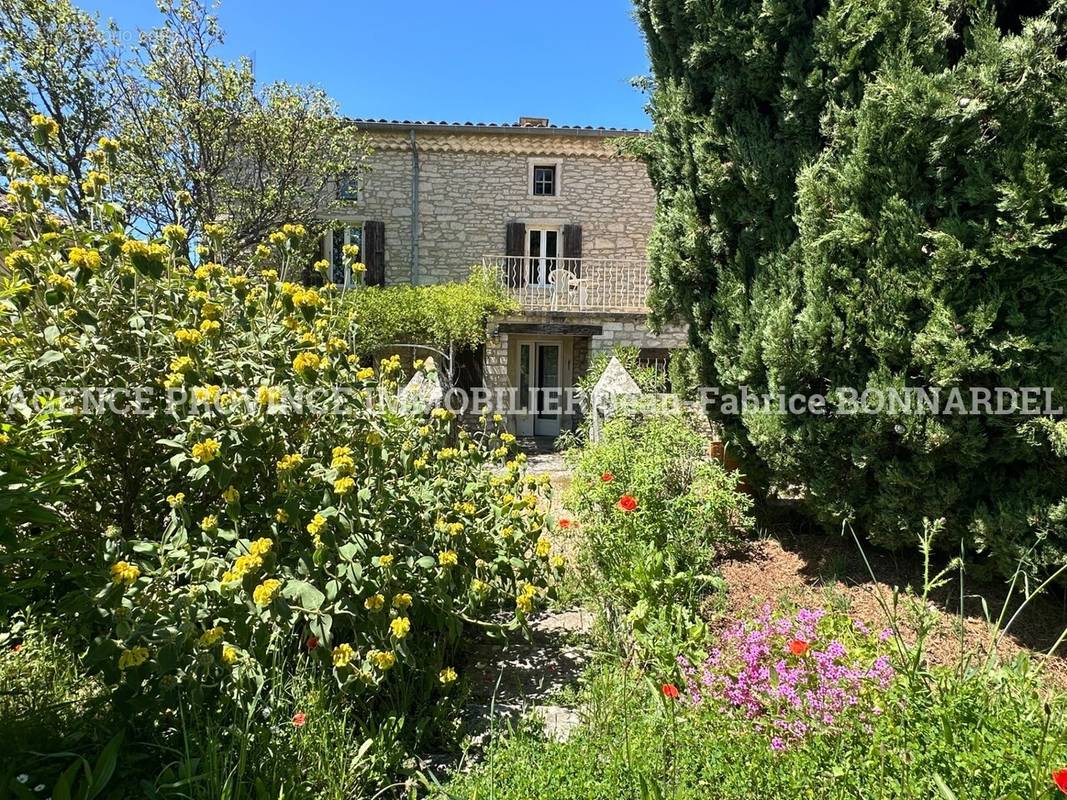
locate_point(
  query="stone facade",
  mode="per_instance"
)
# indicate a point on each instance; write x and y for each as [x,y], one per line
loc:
[472,183]
[445,194]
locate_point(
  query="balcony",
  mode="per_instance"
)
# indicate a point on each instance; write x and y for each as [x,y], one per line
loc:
[574,284]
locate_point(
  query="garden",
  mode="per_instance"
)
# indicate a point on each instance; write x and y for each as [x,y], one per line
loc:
[233,564]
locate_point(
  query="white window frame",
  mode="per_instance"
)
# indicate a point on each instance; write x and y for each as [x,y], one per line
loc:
[544,162]
[348,200]
[327,249]
[543,227]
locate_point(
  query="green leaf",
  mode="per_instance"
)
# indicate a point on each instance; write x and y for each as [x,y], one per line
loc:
[306,595]
[105,766]
[426,562]
[942,788]
[48,357]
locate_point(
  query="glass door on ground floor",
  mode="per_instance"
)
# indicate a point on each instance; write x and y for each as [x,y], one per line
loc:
[539,373]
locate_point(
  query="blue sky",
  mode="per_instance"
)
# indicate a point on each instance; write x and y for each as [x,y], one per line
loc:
[455,60]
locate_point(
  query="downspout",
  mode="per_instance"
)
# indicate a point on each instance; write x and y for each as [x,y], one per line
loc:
[414,210]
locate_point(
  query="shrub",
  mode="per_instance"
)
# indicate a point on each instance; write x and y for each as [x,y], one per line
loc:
[841,210]
[645,377]
[655,512]
[446,316]
[251,510]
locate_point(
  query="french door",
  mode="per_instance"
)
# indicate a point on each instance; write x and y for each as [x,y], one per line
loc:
[539,370]
[542,251]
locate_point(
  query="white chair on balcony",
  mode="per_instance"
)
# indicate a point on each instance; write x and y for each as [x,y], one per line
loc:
[564,284]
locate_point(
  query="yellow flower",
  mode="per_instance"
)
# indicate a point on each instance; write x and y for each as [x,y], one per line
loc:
[402,600]
[448,558]
[479,586]
[344,485]
[281,515]
[175,233]
[289,462]
[264,593]
[447,676]
[524,603]
[176,500]
[268,395]
[382,659]
[210,311]
[374,603]
[61,282]
[316,525]
[261,546]
[342,655]
[365,374]
[133,657]
[419,463]
[543,547]
[182,364]
[400,627]
[210,327]
[385,561]
[455,528]
[188,336]
[111,147]
[335,345]
[507,438]
[306,363]
[245,564]
[206,451]
[374,439]
[17,160]
[43,126]
[343,464]
[229,656]
[124,573]
[209,524]
[81,258]
[559,562]
[210,637]
[231,495]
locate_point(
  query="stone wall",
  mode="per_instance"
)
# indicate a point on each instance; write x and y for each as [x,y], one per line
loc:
[632,331]
[471,185]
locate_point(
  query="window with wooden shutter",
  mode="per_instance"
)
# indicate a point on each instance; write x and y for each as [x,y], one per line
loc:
[572,249]
[515,251]
[374,252]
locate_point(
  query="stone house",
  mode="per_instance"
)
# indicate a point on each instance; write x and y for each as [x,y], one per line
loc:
[555,211]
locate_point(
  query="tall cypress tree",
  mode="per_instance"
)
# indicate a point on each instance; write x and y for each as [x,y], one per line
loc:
[873,194]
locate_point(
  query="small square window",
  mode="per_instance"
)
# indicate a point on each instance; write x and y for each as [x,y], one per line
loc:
[348,188]
[544,180]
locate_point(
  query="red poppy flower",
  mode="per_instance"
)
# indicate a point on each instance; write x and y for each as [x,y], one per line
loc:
[798,647]
[627,503]
[564,523]
[299,719]
[1059,777]
[670,691]
[17,647]
[312,642]
[607,477]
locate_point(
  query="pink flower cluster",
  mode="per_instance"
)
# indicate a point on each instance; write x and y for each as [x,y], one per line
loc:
[791,677]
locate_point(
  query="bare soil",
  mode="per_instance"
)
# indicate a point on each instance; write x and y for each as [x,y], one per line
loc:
[829,570]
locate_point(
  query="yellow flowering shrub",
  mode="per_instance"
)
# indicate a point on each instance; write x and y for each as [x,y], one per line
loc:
[247,521]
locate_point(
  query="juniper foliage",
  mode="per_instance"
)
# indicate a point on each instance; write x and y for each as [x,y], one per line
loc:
[873,194]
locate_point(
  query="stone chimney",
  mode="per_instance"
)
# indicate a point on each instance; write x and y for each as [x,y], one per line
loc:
[533,122]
